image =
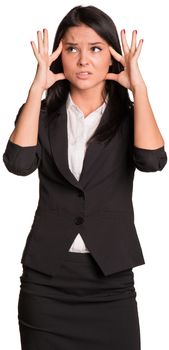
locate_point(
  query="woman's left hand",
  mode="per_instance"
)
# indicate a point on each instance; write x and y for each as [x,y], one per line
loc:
[131,77]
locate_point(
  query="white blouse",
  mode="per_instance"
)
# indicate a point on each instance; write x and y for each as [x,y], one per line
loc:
[79,129]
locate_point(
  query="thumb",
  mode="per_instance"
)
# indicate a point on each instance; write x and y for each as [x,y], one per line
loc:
[111,76]
[59,76]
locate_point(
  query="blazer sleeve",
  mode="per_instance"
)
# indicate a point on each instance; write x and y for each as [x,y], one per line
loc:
[146,160]
[149,160]
[21,160]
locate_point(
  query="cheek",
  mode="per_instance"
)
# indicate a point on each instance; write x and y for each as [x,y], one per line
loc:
[68,69]
[102,61]
[103,65]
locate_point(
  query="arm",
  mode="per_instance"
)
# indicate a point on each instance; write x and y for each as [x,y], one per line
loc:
[147,146]
[146,131]
[149,153]
[23,151]
[26,129]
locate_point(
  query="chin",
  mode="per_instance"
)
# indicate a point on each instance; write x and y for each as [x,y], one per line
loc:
[83,85]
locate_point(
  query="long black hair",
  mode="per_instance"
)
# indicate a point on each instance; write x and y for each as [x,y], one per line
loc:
[119,102]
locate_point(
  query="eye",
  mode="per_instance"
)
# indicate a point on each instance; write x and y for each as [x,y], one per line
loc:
[70,48]
[96,47]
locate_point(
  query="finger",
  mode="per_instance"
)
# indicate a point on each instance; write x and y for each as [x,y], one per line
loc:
[139,47]
[56,53]
[40,42]
[35,50]
[60,76]
[111,76]
[45,40]
[117,56]
[124,43]
[133,42]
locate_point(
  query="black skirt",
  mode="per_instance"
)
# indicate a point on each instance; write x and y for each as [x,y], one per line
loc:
[79,308]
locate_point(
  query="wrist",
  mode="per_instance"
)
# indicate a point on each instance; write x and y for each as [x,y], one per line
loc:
[35,88]
[139,88]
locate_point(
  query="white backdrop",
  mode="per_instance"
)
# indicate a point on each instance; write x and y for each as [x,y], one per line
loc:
[19,22]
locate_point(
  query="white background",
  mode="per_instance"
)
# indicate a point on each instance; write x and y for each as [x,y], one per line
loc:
[19,23]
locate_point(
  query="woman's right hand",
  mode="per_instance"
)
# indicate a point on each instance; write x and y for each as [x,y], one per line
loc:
[44,77]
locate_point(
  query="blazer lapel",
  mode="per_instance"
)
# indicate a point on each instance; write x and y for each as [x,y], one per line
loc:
[59,146]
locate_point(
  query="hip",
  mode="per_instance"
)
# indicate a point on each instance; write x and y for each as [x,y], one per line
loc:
[80,276]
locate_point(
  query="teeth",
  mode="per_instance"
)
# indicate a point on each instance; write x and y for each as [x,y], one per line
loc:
[85,73]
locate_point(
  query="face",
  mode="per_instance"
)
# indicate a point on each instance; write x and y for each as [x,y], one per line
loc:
[85,57]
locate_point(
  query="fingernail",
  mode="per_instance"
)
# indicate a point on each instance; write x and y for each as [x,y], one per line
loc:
[124,31]
[136,31]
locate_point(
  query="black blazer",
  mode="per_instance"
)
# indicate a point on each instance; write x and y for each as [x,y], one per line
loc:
[99,205]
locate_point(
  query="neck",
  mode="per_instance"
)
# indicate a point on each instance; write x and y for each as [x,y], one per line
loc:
[87,101]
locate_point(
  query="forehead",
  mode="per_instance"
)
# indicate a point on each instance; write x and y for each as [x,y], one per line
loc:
[82,33]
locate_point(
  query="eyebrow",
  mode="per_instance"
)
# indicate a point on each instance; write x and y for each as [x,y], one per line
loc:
[97,43]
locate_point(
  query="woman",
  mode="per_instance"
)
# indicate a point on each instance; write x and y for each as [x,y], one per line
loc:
[86,138]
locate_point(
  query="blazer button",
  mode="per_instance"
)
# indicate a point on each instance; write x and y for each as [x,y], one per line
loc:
[79,220]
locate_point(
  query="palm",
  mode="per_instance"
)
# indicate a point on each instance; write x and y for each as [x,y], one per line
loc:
[44,76]
[52,78]
[122,78]
[131,76]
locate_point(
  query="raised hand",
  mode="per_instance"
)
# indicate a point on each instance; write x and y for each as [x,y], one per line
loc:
[44,77]
[131,76]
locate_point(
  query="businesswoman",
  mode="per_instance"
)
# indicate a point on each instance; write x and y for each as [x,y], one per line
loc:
[86,138]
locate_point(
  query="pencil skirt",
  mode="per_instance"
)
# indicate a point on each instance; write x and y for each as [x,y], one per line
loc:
[79,308]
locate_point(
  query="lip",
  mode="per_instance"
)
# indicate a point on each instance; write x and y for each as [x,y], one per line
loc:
[83,74]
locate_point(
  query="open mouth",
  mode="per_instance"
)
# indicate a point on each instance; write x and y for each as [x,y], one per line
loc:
[83,74]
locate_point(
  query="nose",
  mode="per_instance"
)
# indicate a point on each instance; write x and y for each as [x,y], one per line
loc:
[83,58]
